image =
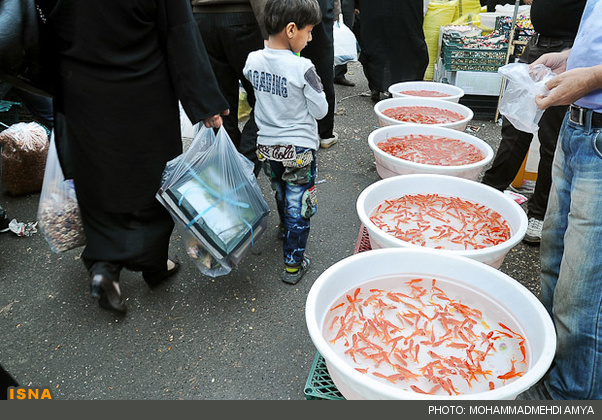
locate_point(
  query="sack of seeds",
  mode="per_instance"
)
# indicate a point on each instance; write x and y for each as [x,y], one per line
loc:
[59,217]
[24,151]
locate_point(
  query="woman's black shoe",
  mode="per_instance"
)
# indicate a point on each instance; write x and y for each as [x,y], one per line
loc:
[107,292]
[153,279]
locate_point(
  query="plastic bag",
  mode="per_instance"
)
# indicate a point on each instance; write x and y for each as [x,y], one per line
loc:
[59,217]
[518,99]
[345,44]
[215,201]
[24,152]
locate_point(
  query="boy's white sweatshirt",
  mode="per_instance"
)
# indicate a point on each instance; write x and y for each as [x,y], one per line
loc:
[289,98]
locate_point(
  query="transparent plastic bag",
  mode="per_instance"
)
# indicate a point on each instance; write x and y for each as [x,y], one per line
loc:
[24,151]
[215,201]
[345,44]
[518,99]
[59,217]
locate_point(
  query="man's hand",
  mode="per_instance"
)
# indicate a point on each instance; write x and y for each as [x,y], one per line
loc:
[570,86]
[555,61]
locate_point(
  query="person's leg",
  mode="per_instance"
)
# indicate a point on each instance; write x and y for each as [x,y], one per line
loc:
[549,127]
[508,158]
[299,206]
[571,271]
[321,52]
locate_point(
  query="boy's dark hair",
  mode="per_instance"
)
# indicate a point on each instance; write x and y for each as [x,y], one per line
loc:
[279,13]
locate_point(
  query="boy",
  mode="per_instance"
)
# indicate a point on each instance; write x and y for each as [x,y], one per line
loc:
[290,98]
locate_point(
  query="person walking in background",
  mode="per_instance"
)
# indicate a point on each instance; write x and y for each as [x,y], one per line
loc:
[554,32]
[347,9]
[571,268]
[230,31]
[290,98]
[321,53]
[117,123]
[392,44]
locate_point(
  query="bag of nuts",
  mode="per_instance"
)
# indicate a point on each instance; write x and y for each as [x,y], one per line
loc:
[24,152]
[59,217]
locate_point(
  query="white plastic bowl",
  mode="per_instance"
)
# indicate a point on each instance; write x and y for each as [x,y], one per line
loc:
[454,92]
[395,187]
[430,102]
[358,269]
[388,165]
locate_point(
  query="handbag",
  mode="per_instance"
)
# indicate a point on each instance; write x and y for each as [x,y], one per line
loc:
[25,41]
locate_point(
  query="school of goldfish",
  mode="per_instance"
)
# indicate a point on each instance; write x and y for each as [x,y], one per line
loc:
[431,150]
[441,222]
[417,337]
[423,114]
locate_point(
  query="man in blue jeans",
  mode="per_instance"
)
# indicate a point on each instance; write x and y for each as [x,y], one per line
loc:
[571,245]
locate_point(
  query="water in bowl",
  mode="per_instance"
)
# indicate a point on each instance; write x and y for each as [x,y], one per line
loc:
[435,336]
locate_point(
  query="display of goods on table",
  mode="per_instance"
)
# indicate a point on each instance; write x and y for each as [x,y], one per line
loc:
[425,149]
[428,111]
[421,334]
[447,214]
[523,30]
[474,53]
[417,324]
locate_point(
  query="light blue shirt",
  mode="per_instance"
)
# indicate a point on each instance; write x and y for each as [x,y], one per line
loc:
[587,50]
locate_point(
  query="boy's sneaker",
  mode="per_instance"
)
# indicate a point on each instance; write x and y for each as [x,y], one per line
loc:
[533,235]
[292,275]
[4,224]
[326,143]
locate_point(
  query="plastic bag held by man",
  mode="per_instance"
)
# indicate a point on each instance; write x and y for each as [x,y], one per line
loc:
[215,201]
[344,42]
[518,99]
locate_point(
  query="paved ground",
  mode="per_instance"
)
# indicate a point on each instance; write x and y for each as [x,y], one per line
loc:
[242,336]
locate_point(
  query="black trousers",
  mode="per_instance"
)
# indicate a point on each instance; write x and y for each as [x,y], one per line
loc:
[321,52]
[229,38]
[515,144]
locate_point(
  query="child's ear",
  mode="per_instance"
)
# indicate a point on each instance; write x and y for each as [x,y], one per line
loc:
[291,28]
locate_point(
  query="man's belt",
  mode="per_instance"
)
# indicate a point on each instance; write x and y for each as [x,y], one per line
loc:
[578,115]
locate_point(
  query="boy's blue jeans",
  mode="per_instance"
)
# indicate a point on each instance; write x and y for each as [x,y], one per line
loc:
[571,262]
[296,202]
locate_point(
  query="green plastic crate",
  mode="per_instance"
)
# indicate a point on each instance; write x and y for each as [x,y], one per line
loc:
[319,385]
[457,57]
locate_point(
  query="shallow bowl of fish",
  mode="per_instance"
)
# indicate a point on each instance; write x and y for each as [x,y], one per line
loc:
[411,324]
[430,107]
[449,152]
[425,89]
[448,234]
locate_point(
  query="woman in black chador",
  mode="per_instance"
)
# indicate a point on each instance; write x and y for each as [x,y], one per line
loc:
[123,65]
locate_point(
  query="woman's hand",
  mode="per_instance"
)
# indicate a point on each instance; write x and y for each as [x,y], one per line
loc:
[216,120]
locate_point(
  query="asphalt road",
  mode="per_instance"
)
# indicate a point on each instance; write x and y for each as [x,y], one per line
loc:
[238,337]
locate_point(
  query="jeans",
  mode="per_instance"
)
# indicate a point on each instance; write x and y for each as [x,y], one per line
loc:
[571,266]
[295,199]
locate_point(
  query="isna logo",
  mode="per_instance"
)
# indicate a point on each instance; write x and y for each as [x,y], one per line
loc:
[28,393]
